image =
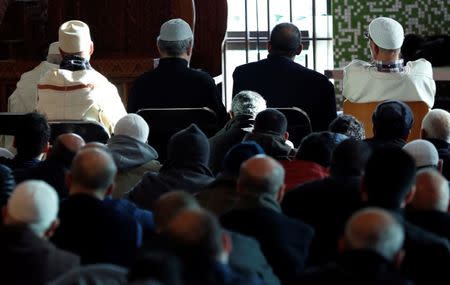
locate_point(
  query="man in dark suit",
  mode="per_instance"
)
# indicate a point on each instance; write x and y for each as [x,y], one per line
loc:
[429,207]
[95,231]
[284,241]
[284,83]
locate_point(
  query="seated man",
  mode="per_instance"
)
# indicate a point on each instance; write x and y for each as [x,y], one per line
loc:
[131,153]
[173,84]
[371,252]
[30,218]
[76,91]
[270,132]
[285,83]
[244,108]
[436,129]
[424,154]
[23,99]
[429,206]
[349,126]
[387,78]
[392,121]
[31,142]
[90,227]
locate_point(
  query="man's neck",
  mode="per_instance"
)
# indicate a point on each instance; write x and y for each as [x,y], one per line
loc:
[387,57]
[183,56]
[80,190]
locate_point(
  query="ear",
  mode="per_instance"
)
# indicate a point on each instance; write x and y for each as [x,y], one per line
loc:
[281,192]
[68,180]
[286,135]
[342,244]
[231,113]
[109,190]
[51,230]
[46,148]
[409,197]
[190,48]
[398,258]
[440,165]
[91,49]
[226,243]
[299,50]
[269,46]
[423,134]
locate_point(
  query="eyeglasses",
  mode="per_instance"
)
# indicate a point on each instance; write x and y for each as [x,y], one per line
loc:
[367,36]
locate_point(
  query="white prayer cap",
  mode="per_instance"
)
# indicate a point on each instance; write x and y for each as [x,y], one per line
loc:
[74,36]
[53,48]
[423,152]
[132,125]
[34,203]
[386,33]
[175,30]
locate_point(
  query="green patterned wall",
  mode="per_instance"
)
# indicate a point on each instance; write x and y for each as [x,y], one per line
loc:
[351,18]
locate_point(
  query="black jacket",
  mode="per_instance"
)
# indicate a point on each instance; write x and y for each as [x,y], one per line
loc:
[355,268]
[433,221]
[284,83]
[97,232]
[284,241]
[174,85]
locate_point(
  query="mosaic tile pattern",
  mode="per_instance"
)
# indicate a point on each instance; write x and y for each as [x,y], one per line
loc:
[351,18]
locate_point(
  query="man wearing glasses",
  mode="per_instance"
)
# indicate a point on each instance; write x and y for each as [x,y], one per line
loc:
[387,77]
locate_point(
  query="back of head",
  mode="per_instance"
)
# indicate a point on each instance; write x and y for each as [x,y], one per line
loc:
[436,125]
[75,38]
[386,33]
[195,234]
[349,126]
[248,103]
[175,38]
[133,126]
[424,153]
[376,230]
[238,154]
[66,147]
[432,191]
[285,39]
[93,170]
[261,174]
[389,176]
[169,205]
[32,136]
[189,145]
[349,158]
[392,119]
[318,147]
[35,204]
[271,121]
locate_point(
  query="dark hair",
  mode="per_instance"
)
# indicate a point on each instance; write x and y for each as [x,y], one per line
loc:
[238,154]
[271,121]
[318,147]
[392,119]
[285,39]
[62,154]
[32,136]
[389,175]
[349,126]
[349,158]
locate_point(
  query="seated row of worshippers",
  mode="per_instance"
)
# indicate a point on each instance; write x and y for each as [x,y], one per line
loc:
[242,207]
[339,209]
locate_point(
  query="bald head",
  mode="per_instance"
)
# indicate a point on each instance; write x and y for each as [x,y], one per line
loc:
[196,232]
[285,40]
[93,171]
[261,174]
[436,125]
[375,229]
[169,205]
[432,191]
[65,148]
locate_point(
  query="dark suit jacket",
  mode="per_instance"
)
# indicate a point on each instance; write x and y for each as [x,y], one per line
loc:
[97,232]
[284,83]
[443,149]
[326,205]
[174,85]
[433,221]
[27,259]
[284,241]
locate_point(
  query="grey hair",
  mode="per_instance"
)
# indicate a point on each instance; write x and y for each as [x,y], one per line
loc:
[437,125]
[248,103]
[175,48]
[377,230]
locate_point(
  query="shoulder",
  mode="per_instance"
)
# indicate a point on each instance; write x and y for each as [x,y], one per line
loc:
[356,65]
[420,66]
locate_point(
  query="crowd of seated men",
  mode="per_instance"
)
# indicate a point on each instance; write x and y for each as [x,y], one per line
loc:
[244,206]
